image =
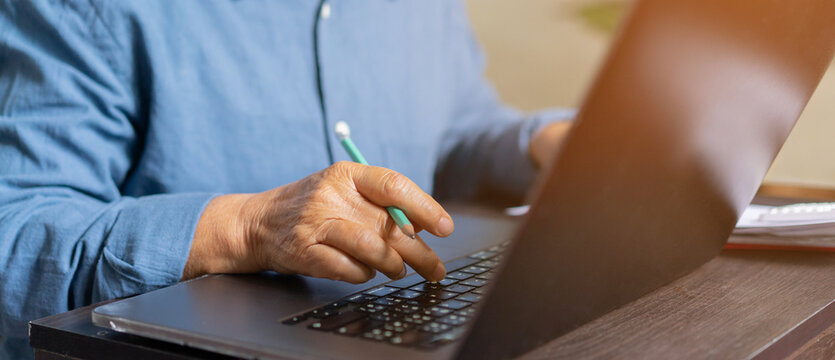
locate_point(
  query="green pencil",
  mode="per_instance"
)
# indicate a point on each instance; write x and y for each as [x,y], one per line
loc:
[344,133]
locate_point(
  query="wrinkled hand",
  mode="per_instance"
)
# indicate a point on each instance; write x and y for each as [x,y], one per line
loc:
[332,224]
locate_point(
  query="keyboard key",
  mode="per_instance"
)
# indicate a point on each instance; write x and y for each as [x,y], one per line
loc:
[470,311]
[406,309]
[441,295]
[322,313]
[455,304]
[459,275]
[458,288]
[336,321]
[418,318]
[411,338]
[488,264]
[398,326]
[381,291]
[480,291]
[459,263]
[407,294]
[372,308]
[388,300]
[357,327]
[469,297]
[447,281]
[435,327]
[483,255]
[486,276]
[437,311]
[378,334]
[475,269]
[337,305]
[444,338]
[454,320]
[424,301]
[496,249]
[474,282]
[427,286]
[386,316]
[294,320]
[369,336]
[407,282]
[360,298]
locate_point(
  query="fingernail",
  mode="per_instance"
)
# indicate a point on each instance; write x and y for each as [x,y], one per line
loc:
[445,226]
[439,273]
[402,273]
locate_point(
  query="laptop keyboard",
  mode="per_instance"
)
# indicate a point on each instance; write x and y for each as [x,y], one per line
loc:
[410,312]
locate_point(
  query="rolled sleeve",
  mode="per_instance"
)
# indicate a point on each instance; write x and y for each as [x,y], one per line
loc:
[148,245]
[70,131]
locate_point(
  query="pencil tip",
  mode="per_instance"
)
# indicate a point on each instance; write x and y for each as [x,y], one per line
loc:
[409,230]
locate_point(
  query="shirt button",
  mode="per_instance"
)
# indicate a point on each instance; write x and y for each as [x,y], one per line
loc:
[325,12]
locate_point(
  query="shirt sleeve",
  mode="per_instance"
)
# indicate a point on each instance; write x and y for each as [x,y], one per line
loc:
[484,152]
[70,127]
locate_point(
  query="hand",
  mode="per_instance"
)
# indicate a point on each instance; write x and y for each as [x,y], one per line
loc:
[331,224]
[544,145]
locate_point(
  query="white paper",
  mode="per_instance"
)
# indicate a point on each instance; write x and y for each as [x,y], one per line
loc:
[751,222]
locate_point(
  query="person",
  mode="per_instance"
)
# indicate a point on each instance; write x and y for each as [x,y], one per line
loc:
[147,142]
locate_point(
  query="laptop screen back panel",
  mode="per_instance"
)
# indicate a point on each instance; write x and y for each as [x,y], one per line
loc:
[672,142]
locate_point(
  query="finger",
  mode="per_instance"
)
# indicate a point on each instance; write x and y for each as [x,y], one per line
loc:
[413,251]
[365,244]
[385,187]
[416,253]
[327,262]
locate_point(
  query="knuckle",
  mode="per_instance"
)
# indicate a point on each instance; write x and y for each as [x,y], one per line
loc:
[367,242]
[393,183]
[321,194]
[324,230]
[340,167]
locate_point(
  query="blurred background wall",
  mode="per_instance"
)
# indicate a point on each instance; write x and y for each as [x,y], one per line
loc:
[544,53]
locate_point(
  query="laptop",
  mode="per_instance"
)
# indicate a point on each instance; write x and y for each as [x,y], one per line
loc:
[690,108]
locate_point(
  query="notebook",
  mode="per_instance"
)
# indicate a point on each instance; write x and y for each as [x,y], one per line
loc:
[803,226]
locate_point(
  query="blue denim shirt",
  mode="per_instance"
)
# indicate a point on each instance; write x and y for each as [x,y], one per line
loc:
[120,120]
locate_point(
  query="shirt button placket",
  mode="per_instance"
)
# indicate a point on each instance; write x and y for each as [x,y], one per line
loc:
[325,12]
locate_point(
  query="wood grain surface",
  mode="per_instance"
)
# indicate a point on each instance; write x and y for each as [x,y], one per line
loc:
[730,308]
[822,347]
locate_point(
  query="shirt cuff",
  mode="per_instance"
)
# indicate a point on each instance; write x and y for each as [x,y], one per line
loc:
[148,245]
[515,170]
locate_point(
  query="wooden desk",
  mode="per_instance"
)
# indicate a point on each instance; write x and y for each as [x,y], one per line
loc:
[732,307]
[742,304]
